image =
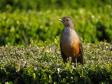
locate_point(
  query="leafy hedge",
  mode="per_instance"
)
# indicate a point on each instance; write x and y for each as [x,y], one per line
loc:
[33,65]
[31,27]
[79,75]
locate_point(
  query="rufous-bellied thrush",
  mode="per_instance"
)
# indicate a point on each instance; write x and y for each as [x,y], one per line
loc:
[70,43]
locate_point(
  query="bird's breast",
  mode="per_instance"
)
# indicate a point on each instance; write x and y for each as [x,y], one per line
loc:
[69,36]
[70,42]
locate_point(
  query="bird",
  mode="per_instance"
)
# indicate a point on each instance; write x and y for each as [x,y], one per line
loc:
[70,43]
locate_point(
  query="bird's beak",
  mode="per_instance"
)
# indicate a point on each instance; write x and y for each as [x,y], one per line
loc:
[60,20]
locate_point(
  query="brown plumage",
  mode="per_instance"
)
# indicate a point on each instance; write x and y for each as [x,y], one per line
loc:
[70,43]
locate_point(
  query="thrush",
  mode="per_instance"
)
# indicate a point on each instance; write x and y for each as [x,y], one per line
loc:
[70,43]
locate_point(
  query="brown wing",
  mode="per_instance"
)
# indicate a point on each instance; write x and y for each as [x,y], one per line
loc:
[81,59]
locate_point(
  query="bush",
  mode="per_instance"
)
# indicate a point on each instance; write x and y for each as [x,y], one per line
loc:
[33,65]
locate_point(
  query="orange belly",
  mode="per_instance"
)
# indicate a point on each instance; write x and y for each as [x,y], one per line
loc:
[72,49]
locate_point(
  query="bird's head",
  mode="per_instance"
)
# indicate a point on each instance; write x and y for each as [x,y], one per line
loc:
[67,21]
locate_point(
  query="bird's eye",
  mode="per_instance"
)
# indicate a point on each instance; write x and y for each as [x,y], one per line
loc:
[67,20]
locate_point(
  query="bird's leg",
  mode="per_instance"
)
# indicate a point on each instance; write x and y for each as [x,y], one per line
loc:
[76,62]
[70,59]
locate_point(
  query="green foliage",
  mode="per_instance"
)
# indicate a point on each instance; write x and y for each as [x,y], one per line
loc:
[38,65]
[21,29]
[26,22]
[34,27]
[11,5]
